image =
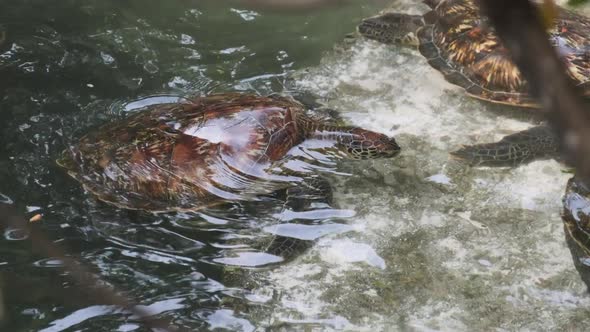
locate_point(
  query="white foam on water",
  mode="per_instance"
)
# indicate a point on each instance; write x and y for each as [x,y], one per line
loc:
[250,259]
[342,252]
[80,316]
[224,319]
[317,214]
[306,232]
[91,312]
[439,178]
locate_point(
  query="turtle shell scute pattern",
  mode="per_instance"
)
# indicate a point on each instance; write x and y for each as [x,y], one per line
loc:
[460,43]
[188,156]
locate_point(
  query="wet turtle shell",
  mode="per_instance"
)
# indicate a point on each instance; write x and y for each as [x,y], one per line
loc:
[188,156]
[576,225]
[185,156]
[461,44]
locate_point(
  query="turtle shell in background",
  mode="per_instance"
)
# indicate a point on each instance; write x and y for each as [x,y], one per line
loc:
[576,222]
[457,41]
[460,43]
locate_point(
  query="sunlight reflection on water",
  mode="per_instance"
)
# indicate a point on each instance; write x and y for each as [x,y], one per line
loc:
[416,243]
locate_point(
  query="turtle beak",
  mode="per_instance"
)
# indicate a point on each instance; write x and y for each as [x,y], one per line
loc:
[396,149]
[389,149]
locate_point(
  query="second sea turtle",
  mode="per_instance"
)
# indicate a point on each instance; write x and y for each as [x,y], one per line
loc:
[460,43]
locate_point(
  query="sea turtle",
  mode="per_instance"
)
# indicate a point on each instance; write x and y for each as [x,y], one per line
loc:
[576,225]
[459,43]
[212,150]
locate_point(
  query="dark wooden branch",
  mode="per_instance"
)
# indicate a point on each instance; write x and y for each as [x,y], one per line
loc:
[85,281]
[519,25]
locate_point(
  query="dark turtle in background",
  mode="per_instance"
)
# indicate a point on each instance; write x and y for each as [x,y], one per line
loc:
[576,225]
[213,150]
[459,43]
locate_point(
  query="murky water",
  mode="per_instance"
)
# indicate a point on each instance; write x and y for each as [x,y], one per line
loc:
[432,245]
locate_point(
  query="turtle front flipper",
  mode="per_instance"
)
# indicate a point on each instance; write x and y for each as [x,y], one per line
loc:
[311,195]
[392,28]
[535,143]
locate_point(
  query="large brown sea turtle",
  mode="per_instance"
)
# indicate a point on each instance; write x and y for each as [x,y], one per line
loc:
[214,149]
[459,43]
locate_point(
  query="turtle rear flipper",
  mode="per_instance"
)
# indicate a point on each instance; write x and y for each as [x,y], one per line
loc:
[535,143]
[392,28]
[305,197]
[287,247]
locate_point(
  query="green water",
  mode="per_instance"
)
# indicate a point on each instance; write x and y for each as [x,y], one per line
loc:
[68,66]
[433,245]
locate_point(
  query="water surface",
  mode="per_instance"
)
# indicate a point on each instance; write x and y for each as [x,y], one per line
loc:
[432,244]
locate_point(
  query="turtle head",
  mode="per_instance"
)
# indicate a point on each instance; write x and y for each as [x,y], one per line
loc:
[392,28]
[358,143]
